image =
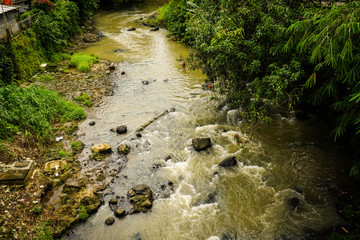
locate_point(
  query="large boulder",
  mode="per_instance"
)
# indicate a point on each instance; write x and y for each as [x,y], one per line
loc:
[101,148]
[228,162]
[141,198]
[201,143]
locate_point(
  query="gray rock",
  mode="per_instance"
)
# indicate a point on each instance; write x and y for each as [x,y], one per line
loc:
[109,221]
[201,143]
[228,162]
[121,129]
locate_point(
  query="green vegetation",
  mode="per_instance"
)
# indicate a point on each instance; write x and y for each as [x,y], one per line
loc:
[262,54]
[45,231]
[77,146]
[83,62]
[33,110]
[62,153]
[83,214]
[37,209]
[84,99]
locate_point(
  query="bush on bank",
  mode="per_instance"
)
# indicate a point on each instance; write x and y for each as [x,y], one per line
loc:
[277,53]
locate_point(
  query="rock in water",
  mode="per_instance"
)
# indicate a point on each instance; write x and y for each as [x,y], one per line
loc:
[120,212]
[201,143]
[155,29]
[131,29]
[121,129]
[101,148]
[109,221]
[228,162]
[140,198]
[113,201]
[123,149]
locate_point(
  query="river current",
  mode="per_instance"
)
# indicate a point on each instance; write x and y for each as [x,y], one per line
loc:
[194,197]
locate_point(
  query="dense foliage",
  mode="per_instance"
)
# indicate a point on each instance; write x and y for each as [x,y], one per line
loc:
[262,54]
[32,110]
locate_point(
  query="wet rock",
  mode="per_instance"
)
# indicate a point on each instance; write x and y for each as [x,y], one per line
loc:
[119,50]
[109,221]
[145,82]
[123,73]
[201,143]
[123,149]
[92,123]
[112,66]
[131,29]
[113,130]
[120,212]
[72,183]
[101,148]
[90,38]
[294,203]
[113,201]
[155,29]
[138,134]
[140,198]
[121,129]
[228,162]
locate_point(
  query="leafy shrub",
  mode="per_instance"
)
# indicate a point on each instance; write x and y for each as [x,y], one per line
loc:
[86,8]
[67,15]
[34,109]
[83,62]
[6,64]
[49,34]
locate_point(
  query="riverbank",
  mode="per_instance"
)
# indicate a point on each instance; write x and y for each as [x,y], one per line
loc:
[57,194]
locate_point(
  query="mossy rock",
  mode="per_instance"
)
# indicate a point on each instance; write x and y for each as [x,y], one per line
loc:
[123,149]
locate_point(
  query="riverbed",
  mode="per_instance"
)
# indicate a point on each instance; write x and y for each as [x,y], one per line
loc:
[281,188]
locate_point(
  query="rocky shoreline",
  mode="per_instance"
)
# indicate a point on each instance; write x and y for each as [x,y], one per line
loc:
[57,194]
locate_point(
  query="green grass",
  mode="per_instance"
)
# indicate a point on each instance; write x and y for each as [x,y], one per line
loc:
[83,62]
[77,146]
[33,110]
[84,99]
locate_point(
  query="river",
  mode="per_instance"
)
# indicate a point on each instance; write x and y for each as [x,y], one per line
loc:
[194,198]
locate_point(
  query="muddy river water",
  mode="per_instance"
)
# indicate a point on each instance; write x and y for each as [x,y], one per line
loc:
[194,198]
